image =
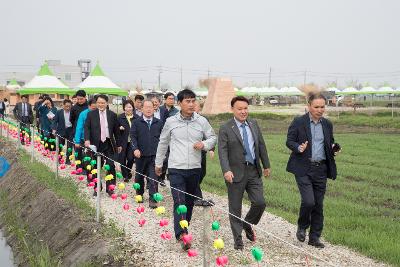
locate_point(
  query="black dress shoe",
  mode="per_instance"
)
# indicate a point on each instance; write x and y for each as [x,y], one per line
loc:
[250,235]
[301,234]
[316,243]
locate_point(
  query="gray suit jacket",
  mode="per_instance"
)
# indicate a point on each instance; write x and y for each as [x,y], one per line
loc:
[231,150]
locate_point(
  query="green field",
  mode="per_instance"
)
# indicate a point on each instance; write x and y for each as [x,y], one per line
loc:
[362,207]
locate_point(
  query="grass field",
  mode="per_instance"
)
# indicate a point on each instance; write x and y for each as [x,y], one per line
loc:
[362,207]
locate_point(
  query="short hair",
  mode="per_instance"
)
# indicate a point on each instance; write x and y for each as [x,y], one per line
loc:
[238,98]
[91,101]
[5,100]
[67,101]
[154,97]
[81,93]
[139,97]
[40,97]
[147,100]
[24,96]
[314,96]
[168,94]
[74,96]
[101,96]
[126,102]
[184,94]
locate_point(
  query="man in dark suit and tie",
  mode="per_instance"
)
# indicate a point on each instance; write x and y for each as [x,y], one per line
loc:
[102,131]
[145,135]
[62,126]
[310,138]
[24,114]
[241,147]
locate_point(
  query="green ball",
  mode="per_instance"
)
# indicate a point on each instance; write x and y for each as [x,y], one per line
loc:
[61,146]
[119,175]
[76,154]
[157,197]
[45,138]
[181,209]
[69,149]
[86,158]
[107,167]
[93,162]
[136,186]
[257,253]
[215,226]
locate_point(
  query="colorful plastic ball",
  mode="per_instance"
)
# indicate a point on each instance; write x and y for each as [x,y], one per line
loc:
[181,209]
[141,222]
[157,197]
[136,186]
[139,198]
[257,253]
[126,206]
[160,210]
[121,186]
[124,196]
[192,253]
[215,226]
[219,243]
[184,224]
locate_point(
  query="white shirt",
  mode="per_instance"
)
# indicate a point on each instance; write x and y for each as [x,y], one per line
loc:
[157,114]
[66,119]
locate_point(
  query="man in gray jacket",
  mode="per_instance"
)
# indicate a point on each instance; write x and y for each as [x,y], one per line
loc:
[187,134]
[241,147]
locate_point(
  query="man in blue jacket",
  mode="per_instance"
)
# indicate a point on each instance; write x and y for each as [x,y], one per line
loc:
[145,135]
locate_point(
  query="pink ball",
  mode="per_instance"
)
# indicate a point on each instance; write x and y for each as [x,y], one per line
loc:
[126,206]
[163,222]
[81,178]
[192,253]
[140,209]
[222,260]
[91,184]
[114,196]
[95,180]
[111,187]
[166,235]
[187,238]
[124,196]
[141,222]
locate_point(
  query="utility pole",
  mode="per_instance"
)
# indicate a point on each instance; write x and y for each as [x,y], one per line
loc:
[159,77]
[181,79]
[269,77]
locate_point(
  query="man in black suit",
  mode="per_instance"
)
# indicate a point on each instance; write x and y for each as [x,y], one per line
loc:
[24,114]
[241,147]
[145,135]
[159,113]
[310,138]
[62,126]
[102,131]
[80,105]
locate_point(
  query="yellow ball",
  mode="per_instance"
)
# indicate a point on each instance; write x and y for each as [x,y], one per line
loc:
[46,145]
[62,153]
[52,146]
[219,243]
[71,157]
[77,162]
[138,198]
[160,210]
[94,171]
[121,186]
[88,167]
[184,224]
[42,142]
[109,177]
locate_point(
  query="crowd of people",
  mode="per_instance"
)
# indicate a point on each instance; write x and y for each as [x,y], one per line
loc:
[165,142]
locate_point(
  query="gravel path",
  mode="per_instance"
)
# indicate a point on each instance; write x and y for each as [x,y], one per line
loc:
[161,252]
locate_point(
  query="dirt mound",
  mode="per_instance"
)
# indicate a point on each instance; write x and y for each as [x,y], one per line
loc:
[61,227]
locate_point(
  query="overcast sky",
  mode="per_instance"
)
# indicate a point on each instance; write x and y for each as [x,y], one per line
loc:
[231,38]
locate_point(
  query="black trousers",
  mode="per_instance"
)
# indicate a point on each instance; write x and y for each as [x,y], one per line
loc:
[252,183]
[145,165]
[312,189]
[66,141]
[127,159]
[105,148]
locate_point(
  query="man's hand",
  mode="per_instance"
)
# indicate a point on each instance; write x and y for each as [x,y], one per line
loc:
[198,145]
[211,153]
[267,172]
[121,128]
[117,167]
[158,170]
[54,131]
[137,153]
[229,176]
[87,143]
[77,145]
[119,149]
[303,147]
